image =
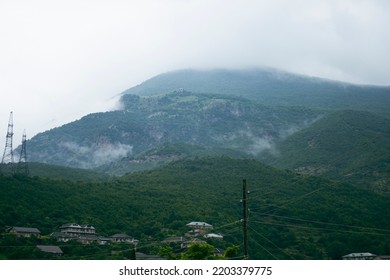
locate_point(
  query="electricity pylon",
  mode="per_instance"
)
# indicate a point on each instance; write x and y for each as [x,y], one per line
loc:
[22,164]
[7,162]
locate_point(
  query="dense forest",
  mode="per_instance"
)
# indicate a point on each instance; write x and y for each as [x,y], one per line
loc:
[350,146]
[291,216]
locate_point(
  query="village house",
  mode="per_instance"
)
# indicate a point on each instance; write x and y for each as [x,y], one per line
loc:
[198,228]
[103,240]
[123,238]
[174,239]
[55,250]
[85,234]
[213,235]
[61,237]
[200,225]
[25,231]
[77,230]
[87,239]
[359,256]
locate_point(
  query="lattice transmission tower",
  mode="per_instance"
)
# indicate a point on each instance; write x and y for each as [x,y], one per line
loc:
[22,164]
[7,162]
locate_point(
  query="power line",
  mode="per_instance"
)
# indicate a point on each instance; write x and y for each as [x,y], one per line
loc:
[324,223]
[266,193]
[229,224]
[319,228]
[292,200]
[271,242]
[276,258]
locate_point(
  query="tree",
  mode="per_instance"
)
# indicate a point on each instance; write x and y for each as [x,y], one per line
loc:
[231,252]
[167,252]
[198,251]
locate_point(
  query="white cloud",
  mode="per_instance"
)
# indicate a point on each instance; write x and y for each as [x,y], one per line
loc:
[63,59]
[96,155]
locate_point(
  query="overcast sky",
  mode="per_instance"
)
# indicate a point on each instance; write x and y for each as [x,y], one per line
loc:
[60,60]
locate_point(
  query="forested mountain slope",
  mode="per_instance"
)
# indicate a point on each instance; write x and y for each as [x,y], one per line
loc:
[148,122]
[291,216]
[242,111]
[348,145]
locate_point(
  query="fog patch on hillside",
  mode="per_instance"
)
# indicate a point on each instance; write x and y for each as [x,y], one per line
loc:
[96,154]
[266,142]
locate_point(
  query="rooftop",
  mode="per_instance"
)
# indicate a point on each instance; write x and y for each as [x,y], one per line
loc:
[354,255]
[213,235]
[25,230]
[199,224]
[174,239]
[50,249]
[76,226]
[120,235]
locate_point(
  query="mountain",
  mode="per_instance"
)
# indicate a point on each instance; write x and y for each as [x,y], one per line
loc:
[241,112]
[209,121]
[347,145]
[291,216]
[271,87]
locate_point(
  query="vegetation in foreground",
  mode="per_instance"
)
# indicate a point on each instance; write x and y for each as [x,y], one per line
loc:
[292,216]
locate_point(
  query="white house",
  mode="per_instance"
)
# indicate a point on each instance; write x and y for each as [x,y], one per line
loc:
[199,225]
[76,229]
[213,235]
[123,238]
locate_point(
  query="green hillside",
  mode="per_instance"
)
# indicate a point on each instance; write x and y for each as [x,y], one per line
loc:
[271,87]
[144,123]
[64,173]
[347,145]
[57,172]
[164,154]
[291,216]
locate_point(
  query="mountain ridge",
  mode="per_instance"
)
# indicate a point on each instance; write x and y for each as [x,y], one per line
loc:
[270,87]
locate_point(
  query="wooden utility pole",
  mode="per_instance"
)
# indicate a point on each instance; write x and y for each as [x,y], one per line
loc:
[245,217]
